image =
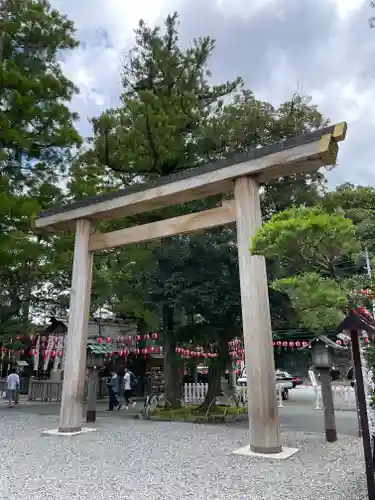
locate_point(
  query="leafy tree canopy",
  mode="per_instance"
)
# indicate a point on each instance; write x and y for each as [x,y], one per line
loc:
[37,134]
[306,239]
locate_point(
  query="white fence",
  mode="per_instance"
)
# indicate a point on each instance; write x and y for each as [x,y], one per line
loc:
[195,393]
[343,397]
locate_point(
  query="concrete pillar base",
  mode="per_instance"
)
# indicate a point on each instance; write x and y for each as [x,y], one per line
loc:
[282,455]
[57,432]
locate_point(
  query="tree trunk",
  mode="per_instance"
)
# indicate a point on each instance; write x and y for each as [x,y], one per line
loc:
[215,372]
[172,379]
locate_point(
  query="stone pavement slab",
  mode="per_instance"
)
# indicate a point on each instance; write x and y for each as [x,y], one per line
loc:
[132,459]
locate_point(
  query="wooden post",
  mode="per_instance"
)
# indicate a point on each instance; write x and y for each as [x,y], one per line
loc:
[260,365]
[92,394]
[328,406]
[75,361]
[355,392]
[366,438]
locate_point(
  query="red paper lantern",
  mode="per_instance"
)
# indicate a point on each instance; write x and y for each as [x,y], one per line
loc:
[178,350]
[338,342]
[278,343]
[61,353]
[154,336]
[305,344]
[147,336]
[53,354]
[298,344]
[144,351]
[285,343]
[136,351]
[137,338]
[187,352]
[108,340]
[152,348]
[32,353]
[99,340]
[291,344]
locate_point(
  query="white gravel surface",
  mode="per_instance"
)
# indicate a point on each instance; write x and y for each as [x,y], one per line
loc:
[144,460]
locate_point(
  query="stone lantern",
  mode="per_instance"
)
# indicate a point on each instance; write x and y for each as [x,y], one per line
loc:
[322,359]
[94,362]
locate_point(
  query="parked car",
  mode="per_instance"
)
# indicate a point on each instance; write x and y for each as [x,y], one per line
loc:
[283,380]
[297,381]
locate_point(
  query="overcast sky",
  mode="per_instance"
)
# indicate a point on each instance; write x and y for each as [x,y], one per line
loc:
[322,48]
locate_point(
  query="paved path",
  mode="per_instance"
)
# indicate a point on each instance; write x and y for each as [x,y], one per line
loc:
[163,461]
[297,415]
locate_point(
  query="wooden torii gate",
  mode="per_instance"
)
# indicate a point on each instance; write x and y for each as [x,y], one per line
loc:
[242,174]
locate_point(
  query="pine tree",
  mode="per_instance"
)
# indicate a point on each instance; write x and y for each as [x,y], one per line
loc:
[36,136]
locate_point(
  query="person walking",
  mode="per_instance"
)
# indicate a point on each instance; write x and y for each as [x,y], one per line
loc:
[13,384]
[112,385]
[130,382]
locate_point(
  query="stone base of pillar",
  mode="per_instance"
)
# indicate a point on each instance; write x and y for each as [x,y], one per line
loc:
[283,455]
[57,432]
[90,416]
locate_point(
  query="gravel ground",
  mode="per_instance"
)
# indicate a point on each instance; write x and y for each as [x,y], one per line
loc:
[133,460]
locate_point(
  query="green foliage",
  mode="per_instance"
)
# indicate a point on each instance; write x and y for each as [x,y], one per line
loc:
[319,301]
[167,103]
[37,134]
[358,204]
[306,239]
[305,248]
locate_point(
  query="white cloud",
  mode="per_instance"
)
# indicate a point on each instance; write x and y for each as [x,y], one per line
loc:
[347,7]
[322,48]
[105,29]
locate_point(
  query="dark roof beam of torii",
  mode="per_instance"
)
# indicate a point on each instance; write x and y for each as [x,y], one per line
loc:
[304,153]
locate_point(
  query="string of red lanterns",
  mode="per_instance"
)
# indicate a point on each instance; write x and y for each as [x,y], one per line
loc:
[129,339]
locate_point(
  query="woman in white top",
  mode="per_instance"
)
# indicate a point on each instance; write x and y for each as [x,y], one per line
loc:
[129,380]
